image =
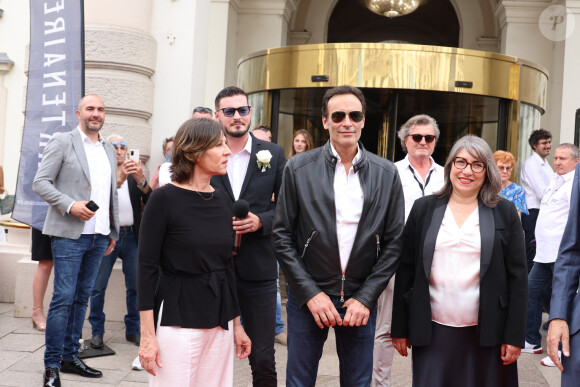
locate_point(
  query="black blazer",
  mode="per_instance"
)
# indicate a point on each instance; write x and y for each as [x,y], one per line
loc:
[136,196]
[255,260]
[503,289]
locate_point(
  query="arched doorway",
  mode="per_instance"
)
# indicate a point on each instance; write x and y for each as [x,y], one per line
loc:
[434,23]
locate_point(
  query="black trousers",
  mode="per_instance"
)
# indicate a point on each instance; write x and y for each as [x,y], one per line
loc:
[258,306]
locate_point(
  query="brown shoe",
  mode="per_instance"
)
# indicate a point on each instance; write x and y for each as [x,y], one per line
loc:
[281,339]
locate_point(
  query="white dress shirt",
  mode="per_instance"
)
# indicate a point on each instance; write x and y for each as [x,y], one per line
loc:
[552,217]
[100,172]
[348,200]
[454,280]
[125,208]
[413,184]
[238,166]
[535,177]
[164,174]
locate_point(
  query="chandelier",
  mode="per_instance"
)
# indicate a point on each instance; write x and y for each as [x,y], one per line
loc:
[392,8]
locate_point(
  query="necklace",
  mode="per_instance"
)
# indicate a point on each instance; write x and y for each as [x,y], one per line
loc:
[203,197]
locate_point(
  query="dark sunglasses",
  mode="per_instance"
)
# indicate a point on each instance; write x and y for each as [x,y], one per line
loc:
[418,137]
[201,109]
[338,116]
[230,111]
[122,143]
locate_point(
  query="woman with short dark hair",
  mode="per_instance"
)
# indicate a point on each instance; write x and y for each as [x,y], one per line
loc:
[189,311]
[461,291]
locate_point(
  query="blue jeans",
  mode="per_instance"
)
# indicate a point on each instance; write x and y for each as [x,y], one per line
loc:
[279,322]
[354,346]
[539,280]
[76,264]
[126,249]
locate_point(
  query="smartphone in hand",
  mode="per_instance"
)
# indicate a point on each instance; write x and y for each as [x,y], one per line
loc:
[92,206]
[134,155]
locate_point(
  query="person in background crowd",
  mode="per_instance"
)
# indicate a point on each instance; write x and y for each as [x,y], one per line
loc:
[337,269]
[565,305]
[461,288]
[202,112]
[554,210]
[535,177]
[254,174]
[263,133]
[42,253]
[189,311]
[133,192]
[506,162]
[78,171]
[302,141]
[420,176]
[167,143]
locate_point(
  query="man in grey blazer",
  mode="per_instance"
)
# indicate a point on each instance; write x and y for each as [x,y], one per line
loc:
[77,167]
[565,303]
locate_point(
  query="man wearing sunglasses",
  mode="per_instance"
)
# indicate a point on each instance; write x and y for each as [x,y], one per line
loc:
[337,235]
[132,190]
[202,112]
[254,180]
[420,176]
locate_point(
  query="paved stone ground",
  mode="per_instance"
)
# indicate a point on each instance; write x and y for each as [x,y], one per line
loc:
[22,349]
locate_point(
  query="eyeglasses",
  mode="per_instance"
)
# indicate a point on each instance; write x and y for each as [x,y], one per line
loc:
[230,111]
[201,109]
[123,144]
[461,163]
[418,137]
[338,116]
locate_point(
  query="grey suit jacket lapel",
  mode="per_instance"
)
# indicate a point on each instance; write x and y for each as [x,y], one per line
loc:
[80,151]
[431,236]
[487,231]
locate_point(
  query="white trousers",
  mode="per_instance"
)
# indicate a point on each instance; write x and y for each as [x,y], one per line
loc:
[194,357]
[384,350]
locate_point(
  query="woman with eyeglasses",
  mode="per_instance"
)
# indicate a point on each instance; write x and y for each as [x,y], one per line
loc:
[505,162]
[190,316]
[461,290]
[302,141]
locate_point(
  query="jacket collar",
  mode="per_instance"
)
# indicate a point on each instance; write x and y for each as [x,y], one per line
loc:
[332,159]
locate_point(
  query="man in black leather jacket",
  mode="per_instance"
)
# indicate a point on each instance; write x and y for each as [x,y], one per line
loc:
[337,235]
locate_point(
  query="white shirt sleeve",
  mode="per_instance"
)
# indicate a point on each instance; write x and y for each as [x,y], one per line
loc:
[164,174]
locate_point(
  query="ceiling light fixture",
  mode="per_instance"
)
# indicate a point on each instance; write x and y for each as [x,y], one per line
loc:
[392,8]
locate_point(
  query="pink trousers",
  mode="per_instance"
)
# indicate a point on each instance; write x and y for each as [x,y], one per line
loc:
[194,357]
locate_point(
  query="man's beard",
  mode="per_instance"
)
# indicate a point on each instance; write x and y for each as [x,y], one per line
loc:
[237,134]
[87,125]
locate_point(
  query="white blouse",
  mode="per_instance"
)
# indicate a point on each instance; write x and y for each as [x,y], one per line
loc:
[454,280]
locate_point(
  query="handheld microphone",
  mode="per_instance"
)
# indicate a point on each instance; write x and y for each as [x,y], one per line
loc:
[241,209]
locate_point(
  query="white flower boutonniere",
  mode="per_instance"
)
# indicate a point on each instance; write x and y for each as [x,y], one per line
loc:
[264,157]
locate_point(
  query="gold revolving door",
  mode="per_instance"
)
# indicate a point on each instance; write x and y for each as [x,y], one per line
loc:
[497,97]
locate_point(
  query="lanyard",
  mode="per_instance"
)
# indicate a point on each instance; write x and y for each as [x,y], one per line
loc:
[418,182]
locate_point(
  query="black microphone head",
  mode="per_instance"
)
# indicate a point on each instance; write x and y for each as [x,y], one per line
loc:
[241,208]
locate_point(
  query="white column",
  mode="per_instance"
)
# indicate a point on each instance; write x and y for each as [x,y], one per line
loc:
[570,98]
[521,37]
[119,63]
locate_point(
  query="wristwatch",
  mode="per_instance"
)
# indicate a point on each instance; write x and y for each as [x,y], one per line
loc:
[142,185]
